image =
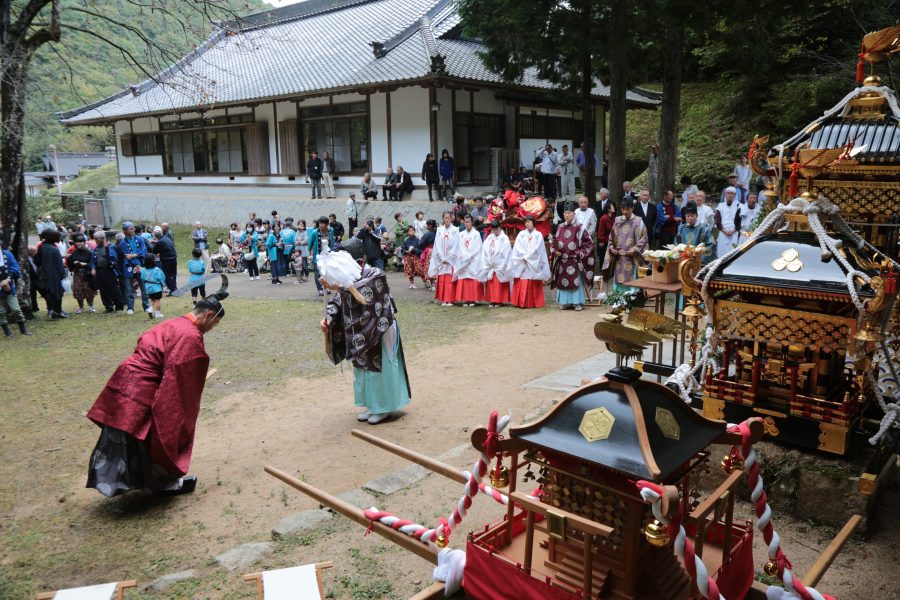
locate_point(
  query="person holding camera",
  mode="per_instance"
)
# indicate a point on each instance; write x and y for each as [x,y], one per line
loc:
[372,242]
[9,304]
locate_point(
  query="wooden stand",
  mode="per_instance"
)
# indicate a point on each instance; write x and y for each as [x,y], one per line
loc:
[258,578]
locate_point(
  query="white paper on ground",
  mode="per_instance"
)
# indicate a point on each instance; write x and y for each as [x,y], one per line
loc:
[295,583]
[104,591]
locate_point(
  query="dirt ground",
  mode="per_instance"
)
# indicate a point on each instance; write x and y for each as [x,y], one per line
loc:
[302,425]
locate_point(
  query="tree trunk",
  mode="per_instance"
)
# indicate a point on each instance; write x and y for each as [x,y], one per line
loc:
[587,119]
[618,85]
[673,63]
[12,158]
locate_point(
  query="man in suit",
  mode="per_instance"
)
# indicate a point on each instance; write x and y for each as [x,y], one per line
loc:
[403,185]
[645,209]
[389,188]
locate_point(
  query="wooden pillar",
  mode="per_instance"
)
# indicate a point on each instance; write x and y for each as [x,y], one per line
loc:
[387,108]
[433,120]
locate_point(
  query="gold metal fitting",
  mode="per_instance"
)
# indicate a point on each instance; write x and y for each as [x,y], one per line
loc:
[732,463]
[441,541]
[771,569]
[656,534]
[693,309]
[499,477]
[869,334]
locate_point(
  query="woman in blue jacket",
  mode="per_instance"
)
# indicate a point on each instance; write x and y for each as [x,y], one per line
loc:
[447,170]
[274,246]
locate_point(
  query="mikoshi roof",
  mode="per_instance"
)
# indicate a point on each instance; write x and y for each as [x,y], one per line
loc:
[765,265]
[641,429]
[313,48]
[876,139]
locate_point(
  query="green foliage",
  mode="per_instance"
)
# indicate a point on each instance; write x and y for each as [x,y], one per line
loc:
[83,69]
[99,180]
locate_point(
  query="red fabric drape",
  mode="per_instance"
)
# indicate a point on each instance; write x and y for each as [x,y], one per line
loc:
[487,577]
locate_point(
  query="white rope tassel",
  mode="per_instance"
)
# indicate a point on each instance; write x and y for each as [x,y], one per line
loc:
[451,564]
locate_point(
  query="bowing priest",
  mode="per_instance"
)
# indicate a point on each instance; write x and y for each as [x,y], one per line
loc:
[360,326]
[443,257]
[495,251]
[469,288]
[573,261]
[627,242]
[529,267]
[147,413]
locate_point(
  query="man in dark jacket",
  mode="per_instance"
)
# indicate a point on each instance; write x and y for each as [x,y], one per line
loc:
[389,188]
[105,269]
[337,227]
[430,174]
[314,175]
[9,304]
[645,210]
[404,184]
[164,249]
[372,242]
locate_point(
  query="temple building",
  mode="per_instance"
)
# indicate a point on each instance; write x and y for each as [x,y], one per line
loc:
[377,84]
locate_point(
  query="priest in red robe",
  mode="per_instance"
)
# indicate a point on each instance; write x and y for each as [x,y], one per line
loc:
[148,410]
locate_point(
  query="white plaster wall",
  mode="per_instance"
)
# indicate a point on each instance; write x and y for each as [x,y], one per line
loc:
[444,121]
[126,164]
[265,113]
[410,129]
[378,127]
[462,100]
[486,102]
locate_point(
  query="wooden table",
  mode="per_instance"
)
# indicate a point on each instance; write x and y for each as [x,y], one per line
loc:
[647,284]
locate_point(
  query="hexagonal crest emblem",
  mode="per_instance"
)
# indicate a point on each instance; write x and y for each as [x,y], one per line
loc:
[667,423]
[596,424]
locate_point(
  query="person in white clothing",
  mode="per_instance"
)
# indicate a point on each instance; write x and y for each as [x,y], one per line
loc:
[352,212]
[529,267]
[443,257]
[728,222]
[689,188]
[327,172]
[749,212]
[705,214]
[743,172]
[467,268]
[567,170]
[586,216]
[495,262]
[420,224]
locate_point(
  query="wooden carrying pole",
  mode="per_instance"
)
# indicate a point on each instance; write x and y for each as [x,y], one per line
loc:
[825,559]
[420,549]
[413,456]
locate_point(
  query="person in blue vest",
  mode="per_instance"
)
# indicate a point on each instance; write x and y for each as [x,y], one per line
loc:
[9,304]
[274,245]
[132,250]
[289,240]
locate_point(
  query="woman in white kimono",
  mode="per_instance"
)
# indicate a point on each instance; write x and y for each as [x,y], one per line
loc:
[529,265]
[443,257]
[495,251]
[467,269]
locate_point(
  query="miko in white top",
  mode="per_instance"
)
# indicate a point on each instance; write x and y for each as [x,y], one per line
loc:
[528,259]
[495,253]
[443,254]
[468,253]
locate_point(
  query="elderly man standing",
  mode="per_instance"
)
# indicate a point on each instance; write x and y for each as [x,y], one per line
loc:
[147,413]
[567,170]
[168,258]
[549,164]
[572,262]
[728,222]
[627,242]
[132,250]
[585,215]
[201,242]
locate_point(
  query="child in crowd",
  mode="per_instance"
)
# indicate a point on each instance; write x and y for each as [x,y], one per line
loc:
[299,264]
[154,280]
[389,249]
[197,269]
[410,252]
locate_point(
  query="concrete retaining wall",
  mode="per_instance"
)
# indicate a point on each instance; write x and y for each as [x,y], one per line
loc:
[218,206]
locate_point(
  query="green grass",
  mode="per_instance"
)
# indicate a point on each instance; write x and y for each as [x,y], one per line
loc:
[98,179]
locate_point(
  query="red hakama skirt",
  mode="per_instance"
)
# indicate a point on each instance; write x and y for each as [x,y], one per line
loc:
[444,290]
[469,290]
[496,292]
[528,293]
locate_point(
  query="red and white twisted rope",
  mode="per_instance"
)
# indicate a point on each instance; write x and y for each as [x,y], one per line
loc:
[793,587]
[684,547]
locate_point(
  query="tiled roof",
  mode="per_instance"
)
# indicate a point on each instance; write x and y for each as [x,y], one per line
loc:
[876,139]
[314,47]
